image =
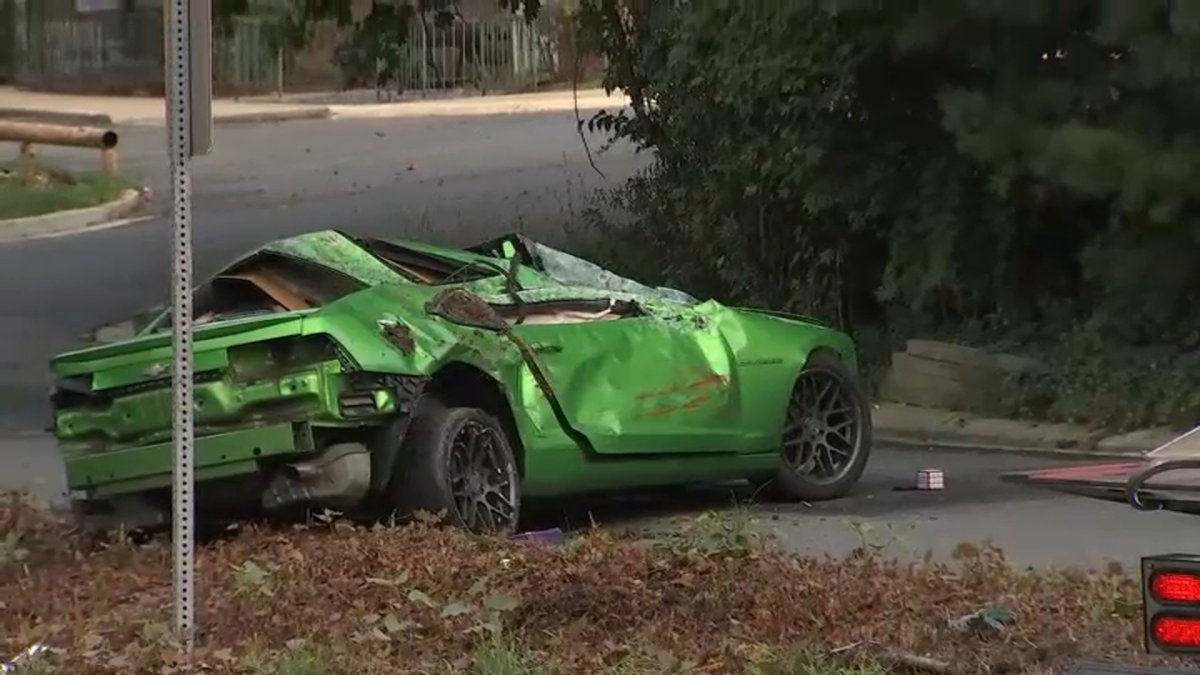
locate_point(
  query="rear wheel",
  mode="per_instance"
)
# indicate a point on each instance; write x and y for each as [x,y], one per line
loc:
[826,438]
[458,461]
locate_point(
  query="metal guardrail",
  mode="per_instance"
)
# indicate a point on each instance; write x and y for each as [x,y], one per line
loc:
[29,133]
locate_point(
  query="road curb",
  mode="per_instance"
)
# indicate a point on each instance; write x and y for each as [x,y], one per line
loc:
[260,117]
[69,222]
[937,428]
[466,108]
[999,445]
[82,119]
[266,117]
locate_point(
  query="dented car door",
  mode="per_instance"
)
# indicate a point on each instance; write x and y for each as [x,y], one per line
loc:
[641,384]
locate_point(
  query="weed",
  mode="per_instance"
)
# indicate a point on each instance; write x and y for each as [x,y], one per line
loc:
[29,189]
[728,532]
[302,662]
[11,549]
[251,578]
[873,545]
[499,654]
[297,659]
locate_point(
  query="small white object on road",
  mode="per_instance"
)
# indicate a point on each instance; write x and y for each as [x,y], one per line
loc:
[930,479]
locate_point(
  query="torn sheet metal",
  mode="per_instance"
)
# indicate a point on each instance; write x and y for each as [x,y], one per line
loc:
[1167,478]
[337,251]
[551,537]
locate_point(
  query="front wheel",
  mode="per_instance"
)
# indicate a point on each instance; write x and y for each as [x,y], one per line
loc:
[826,437]
[458,461]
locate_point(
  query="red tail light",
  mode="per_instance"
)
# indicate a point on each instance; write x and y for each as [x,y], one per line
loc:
[1175,587]
[1171,603]
[1176,631]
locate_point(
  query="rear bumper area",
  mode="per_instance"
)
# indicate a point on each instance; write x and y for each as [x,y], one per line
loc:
[96,476]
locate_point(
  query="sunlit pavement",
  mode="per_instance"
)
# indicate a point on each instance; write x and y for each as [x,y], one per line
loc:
[1031,526]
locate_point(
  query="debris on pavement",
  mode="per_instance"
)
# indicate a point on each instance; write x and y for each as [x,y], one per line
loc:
[927,480]
[551,537]
[986,618]
[930,479]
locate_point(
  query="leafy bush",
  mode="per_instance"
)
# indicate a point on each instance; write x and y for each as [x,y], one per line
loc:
[919,166]
[1090,382]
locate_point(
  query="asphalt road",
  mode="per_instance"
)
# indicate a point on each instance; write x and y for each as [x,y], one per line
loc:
[460,179]
[456,179]
[1032,527]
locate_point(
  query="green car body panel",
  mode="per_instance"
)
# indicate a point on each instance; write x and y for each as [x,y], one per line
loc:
[671,390]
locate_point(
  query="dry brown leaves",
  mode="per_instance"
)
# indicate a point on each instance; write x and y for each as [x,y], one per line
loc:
[417,598]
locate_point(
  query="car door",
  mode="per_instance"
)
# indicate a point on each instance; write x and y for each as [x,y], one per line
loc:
[642,384]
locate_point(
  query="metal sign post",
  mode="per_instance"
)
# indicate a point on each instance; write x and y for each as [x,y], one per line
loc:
[189,133]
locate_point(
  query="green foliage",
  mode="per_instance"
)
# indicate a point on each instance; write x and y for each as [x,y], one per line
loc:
[39,666]
[924,166]
[1091,382]
[251,578]
[372,51]
[11,548]
[807,661]
[28,188]
[726,533]
[502,655]
[301,660]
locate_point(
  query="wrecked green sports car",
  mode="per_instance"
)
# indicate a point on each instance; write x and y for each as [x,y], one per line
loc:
[378,377]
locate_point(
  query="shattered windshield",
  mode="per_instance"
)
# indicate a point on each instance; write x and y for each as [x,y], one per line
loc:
[570,270]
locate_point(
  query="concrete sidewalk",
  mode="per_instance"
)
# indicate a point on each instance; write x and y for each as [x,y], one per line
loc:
[104,110]
[108,110]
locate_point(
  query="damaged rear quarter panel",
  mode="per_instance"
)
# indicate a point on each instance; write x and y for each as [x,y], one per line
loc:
[366,324]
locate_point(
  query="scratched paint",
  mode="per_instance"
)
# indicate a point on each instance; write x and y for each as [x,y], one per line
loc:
[688,396]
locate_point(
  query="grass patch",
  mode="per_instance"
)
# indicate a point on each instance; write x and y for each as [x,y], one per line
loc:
[30,189]
[423,599]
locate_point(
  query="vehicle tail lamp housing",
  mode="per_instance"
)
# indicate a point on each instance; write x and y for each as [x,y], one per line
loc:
[1171,603]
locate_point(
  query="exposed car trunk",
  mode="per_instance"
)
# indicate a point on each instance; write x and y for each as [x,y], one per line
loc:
[268,282]
[248,330]
[299,273]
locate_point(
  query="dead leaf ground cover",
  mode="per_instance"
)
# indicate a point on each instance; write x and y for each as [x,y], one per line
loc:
[425,599]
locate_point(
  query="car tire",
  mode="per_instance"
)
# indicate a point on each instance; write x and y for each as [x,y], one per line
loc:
[826,437]
[458,462]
